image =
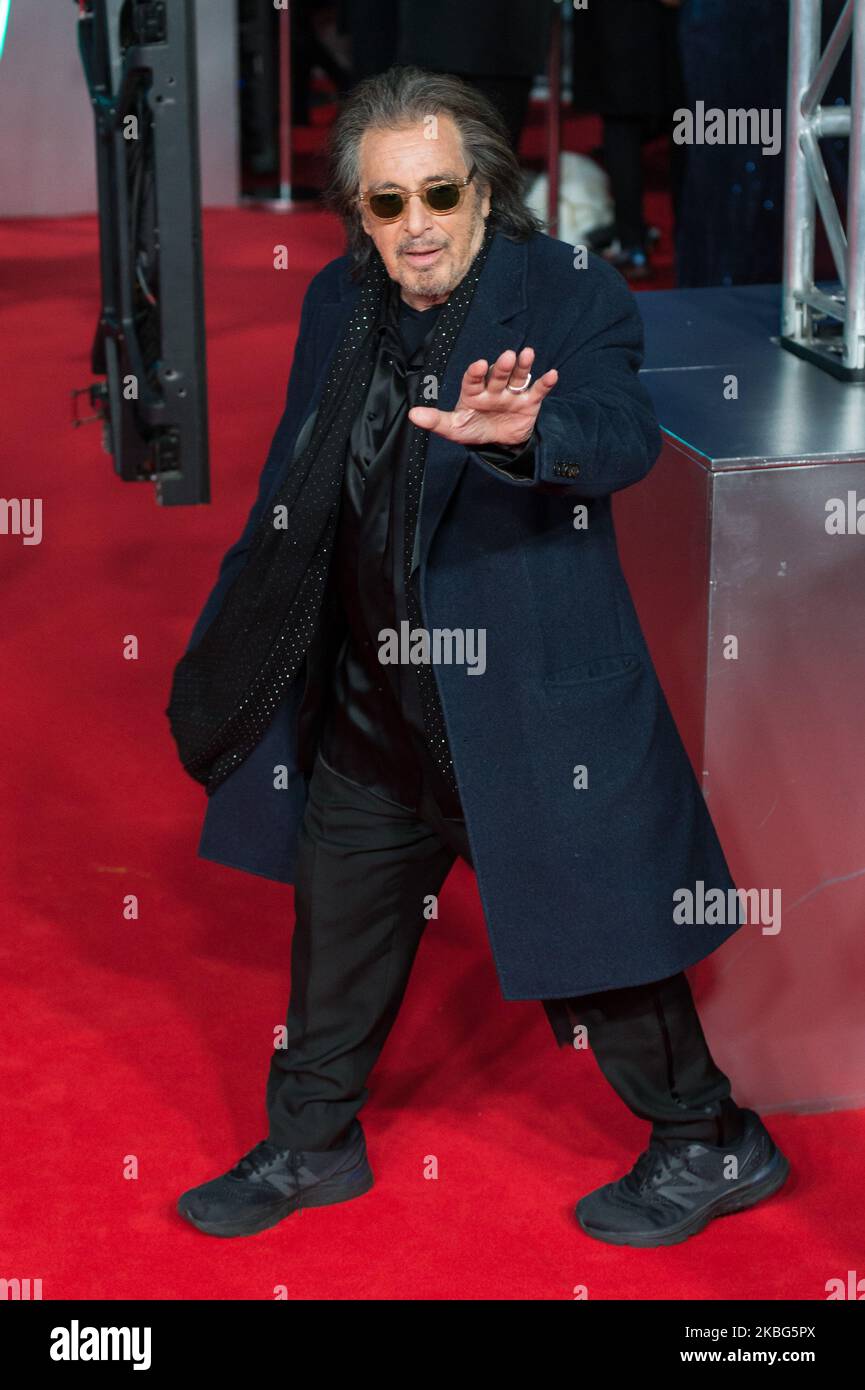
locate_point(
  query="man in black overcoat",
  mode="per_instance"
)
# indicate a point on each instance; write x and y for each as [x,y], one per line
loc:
[422,646]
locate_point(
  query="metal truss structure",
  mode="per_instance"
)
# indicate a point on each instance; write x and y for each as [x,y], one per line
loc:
[825,327]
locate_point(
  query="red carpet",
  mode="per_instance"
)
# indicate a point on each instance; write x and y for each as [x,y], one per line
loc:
[145,1041]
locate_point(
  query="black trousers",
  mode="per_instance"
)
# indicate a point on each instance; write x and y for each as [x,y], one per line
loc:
[366,872]
[624,138]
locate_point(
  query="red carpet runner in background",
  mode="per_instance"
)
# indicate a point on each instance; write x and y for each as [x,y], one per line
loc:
[151,1038]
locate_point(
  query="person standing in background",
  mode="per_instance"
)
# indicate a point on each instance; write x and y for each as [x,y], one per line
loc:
[626,68]
[499,46]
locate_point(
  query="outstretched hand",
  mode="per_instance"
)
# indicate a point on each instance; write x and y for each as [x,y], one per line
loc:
[487,412]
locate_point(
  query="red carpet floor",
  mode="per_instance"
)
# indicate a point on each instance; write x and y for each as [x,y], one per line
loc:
[142,1044]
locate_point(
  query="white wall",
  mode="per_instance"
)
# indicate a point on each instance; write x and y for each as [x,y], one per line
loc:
[47,162]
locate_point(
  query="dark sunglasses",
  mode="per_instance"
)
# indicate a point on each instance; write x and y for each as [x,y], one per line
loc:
[439,198]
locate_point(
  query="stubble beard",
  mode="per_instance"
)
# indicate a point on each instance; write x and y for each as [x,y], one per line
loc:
[425,287]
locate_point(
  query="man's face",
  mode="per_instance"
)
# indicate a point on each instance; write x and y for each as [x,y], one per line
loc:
[428,254]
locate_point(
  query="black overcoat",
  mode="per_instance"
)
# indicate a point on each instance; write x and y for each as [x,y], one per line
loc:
[577,882]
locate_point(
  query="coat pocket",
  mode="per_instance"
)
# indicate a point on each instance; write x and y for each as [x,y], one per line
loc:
[597,668]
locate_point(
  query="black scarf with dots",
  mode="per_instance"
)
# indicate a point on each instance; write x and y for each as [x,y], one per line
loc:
[226,690]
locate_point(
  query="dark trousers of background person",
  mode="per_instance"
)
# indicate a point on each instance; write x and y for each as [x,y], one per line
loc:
[366,871]
[510,95]
[626,67]
[624,137]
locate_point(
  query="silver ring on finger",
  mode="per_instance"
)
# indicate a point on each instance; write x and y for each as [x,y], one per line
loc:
[525,386]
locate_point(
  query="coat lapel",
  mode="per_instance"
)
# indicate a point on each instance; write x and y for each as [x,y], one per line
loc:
[492,325]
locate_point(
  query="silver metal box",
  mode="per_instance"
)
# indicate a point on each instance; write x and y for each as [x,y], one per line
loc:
[726,539]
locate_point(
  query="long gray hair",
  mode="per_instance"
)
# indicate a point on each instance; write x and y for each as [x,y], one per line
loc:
[405,96]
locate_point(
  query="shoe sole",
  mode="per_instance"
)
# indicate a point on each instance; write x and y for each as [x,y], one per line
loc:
[765,1182]
[326,1194]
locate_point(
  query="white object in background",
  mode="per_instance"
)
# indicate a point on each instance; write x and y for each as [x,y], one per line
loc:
[584,197]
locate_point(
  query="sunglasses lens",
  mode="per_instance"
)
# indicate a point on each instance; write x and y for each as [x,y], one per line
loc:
[439,197]
[386,204]
[443,196]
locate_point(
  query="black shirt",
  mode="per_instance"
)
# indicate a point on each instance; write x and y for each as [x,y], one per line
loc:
[372,730]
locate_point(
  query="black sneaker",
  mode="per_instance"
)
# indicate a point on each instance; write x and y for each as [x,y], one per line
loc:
[599,238]
[678,1186]
[269,1184]
[631,261]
